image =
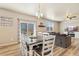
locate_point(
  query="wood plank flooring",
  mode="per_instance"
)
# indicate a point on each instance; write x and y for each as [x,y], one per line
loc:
[73,50]
[10,50]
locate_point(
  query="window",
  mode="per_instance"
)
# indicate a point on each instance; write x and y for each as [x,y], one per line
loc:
[49,25]
[29,28]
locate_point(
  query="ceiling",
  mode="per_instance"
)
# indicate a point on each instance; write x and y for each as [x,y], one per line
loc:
[53,11]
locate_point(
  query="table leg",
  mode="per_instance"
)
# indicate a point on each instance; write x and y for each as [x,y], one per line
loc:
[30,50]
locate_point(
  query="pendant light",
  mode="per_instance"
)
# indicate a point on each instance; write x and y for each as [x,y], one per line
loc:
[39,13]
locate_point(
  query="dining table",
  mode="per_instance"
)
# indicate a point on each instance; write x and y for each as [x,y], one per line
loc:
[34,42]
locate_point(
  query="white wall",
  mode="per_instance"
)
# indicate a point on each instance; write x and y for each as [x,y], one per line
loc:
[10,34]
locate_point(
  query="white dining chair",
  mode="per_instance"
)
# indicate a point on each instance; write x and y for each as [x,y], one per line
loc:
[23,46]
[47,47]
[23,49]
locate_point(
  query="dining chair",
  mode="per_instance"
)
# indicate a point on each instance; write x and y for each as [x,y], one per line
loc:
[23,46]
[47,47]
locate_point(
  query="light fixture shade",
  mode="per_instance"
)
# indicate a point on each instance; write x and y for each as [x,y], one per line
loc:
[39,15]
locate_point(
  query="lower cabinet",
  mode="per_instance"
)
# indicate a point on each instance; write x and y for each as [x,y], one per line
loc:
[63,41]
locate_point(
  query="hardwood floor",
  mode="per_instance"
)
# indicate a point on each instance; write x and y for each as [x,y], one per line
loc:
[73,50]
[10,50]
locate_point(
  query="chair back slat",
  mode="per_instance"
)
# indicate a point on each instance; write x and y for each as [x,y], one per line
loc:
[49,42]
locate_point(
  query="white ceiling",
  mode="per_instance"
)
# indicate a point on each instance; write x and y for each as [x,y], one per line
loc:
[53,11]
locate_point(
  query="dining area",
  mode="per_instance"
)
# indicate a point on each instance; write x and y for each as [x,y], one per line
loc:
[34,39]
[40,39]
[28,35]
[40,45]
